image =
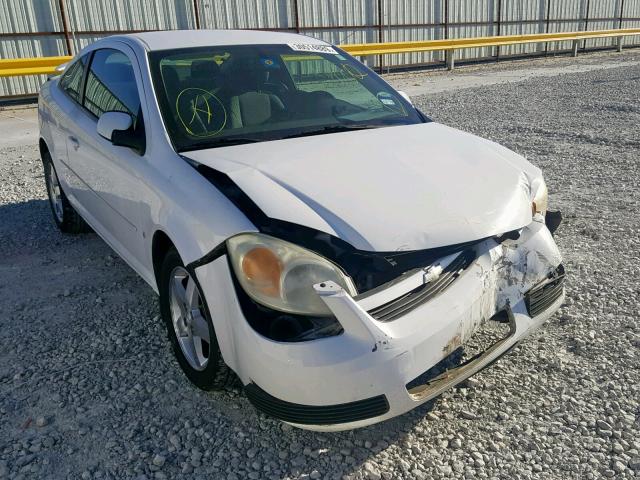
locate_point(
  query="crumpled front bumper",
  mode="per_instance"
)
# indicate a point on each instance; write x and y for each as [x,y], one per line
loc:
[360,377]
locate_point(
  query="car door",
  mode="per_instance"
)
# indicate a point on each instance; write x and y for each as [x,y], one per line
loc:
[109,173]
[66,98]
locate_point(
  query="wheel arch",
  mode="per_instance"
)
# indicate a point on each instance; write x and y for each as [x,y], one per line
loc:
[161,243]
[43,147]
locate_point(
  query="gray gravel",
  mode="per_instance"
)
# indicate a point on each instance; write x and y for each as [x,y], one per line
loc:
[90,389]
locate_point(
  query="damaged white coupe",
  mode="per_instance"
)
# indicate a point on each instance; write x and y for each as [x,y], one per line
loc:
[305,226]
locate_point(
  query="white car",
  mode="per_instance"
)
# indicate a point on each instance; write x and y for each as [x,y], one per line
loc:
[304,225]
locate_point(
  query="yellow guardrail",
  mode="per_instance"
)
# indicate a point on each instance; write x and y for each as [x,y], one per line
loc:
[16,67]
[47,65]
[364,49]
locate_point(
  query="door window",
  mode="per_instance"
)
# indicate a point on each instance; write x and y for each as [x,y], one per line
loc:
[111,84]
[71,80]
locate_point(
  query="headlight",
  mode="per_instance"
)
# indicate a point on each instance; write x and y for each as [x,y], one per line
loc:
[540,197]
[281,275]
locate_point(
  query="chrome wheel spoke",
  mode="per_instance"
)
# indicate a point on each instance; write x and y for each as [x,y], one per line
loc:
[189,350]
[199,326]
[178,288]
[180,294]
[198,348]
[191,294]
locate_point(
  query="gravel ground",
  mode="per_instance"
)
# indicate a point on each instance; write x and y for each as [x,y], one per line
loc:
[90,389]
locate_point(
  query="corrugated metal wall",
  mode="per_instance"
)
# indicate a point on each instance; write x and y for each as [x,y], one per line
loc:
[31,28]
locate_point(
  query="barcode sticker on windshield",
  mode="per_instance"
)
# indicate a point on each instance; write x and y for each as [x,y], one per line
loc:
[312,47]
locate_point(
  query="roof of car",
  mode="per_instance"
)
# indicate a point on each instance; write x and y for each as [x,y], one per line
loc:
[164,40]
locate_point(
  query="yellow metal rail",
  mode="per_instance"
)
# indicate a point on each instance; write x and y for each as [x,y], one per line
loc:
[47,65]
[364,49]
[16,67]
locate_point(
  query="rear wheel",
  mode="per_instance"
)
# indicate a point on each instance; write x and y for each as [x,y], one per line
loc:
[64,214]
[189,326]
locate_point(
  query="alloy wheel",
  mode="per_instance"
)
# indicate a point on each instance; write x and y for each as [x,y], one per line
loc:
[188,318]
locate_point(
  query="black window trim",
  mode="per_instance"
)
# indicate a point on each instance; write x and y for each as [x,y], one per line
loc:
[84,83]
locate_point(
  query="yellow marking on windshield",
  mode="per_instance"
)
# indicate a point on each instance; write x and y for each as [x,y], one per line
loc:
[200,106]
[194,106]
[300,58]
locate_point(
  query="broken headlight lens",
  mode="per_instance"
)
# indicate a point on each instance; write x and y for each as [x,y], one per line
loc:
[540,201]
[281,275]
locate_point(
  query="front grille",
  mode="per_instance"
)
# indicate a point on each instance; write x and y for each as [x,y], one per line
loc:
[316,415]
[538,299]
[416,297]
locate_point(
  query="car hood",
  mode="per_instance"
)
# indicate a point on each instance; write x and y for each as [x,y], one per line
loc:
[389,189]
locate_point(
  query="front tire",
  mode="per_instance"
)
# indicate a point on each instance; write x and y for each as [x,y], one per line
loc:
[65,216]
[189,326]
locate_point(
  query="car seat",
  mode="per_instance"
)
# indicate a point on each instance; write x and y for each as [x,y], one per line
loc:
[249,105]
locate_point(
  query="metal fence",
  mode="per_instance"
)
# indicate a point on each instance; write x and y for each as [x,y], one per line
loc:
[34,28]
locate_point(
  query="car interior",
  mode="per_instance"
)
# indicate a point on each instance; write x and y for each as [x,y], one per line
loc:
[250,93]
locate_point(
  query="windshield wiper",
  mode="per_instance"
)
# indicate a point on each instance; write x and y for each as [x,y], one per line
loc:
[333,129]
[228,142]
[221,142]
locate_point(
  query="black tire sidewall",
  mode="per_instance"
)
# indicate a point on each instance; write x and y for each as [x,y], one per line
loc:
[47,164]
[212,377]
[71,221]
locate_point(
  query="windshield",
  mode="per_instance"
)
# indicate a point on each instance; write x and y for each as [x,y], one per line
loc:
[219,96]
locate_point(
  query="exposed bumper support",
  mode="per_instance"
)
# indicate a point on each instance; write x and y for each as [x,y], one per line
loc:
[358,323]
[520,326]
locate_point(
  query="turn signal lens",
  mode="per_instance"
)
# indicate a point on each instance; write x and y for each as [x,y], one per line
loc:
[540,198]
[263,270]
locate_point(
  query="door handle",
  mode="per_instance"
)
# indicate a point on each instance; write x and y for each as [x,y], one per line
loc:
[74,143]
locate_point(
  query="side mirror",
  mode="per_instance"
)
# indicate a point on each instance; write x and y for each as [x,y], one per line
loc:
[110,122]
[117,127]
[405,96]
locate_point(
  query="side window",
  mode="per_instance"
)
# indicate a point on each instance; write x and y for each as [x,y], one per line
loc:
[111,84]
[71,80]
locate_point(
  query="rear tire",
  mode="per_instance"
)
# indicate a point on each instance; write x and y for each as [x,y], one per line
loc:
[65,216]
[189,326]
